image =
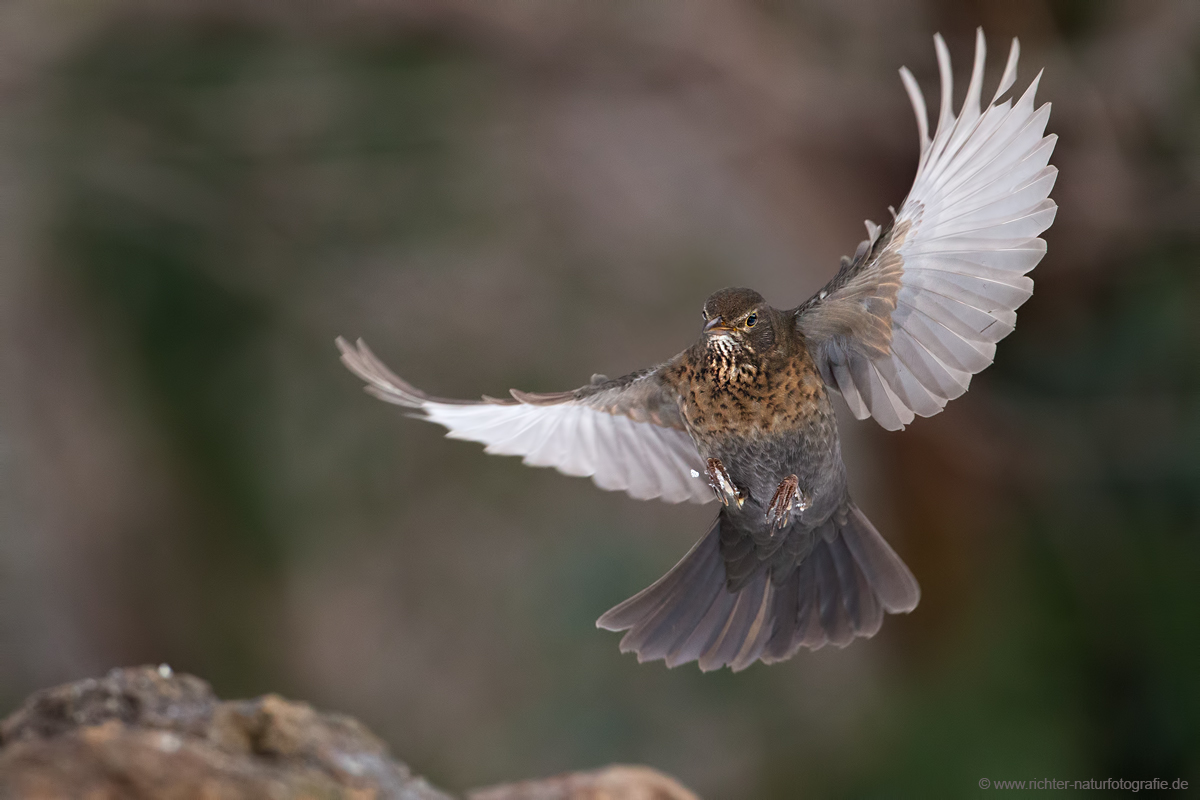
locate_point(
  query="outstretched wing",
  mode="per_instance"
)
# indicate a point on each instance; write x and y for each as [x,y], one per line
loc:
[904,325]
[626,434]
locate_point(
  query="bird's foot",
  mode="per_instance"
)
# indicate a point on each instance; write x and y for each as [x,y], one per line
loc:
[787,499]
[722,484]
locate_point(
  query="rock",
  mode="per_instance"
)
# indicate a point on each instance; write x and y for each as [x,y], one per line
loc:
[147,733]
[617,782]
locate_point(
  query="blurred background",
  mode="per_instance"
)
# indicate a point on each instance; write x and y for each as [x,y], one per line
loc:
[199,196]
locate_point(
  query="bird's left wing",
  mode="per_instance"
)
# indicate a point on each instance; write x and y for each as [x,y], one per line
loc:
[627,434]
[904,325]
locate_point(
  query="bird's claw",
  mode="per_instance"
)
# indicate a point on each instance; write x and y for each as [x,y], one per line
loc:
[787,499]
[722,484]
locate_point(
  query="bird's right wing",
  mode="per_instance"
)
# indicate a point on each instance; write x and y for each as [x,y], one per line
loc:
[626,434]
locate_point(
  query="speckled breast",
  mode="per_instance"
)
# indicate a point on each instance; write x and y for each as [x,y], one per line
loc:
[764,422]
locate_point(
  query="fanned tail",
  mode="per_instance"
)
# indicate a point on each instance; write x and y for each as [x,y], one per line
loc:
[838,591]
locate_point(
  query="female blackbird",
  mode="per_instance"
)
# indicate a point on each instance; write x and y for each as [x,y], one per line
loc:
[745,412]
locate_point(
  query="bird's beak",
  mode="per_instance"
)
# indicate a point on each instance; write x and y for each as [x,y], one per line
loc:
[716,324]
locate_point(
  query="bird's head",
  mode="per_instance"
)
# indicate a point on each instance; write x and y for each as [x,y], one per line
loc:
[738,319]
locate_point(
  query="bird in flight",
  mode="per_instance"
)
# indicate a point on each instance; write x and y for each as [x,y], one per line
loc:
[744,415]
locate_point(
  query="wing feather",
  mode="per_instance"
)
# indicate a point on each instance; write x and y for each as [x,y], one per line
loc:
[902,327]
[625,434]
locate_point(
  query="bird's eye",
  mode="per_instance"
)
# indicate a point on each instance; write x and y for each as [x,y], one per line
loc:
[751,320]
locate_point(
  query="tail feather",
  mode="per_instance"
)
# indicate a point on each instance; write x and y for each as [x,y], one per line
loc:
[891,580]
[707,630]
[787,620]
[810,633]
[839,591]
[760,632]
[865,612]
[637,609]
[743,623]
[654,636]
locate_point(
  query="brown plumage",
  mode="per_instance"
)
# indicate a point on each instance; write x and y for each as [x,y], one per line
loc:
[745,416]
[754,403]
